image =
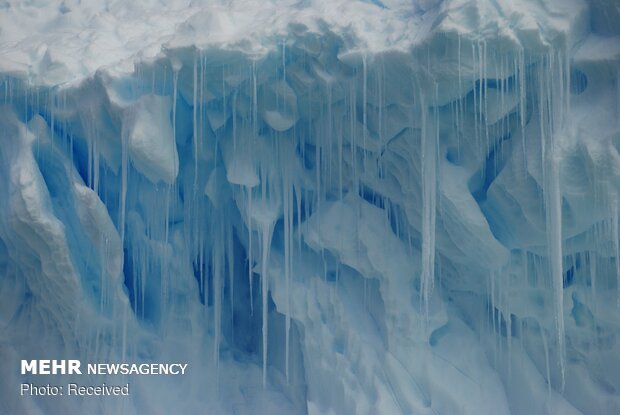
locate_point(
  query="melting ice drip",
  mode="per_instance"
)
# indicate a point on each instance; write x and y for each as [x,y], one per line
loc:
[319,231]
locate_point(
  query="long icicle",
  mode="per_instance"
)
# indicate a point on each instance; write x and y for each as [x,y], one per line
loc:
[288,239]
[266,233]
[230,255]
[217,289]
[553,202]
[429,177]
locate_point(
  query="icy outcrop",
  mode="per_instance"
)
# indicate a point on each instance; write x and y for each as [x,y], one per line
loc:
[150,141]
[367,207]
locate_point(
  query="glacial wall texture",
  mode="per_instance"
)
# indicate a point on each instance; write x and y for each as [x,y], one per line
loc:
[323,207]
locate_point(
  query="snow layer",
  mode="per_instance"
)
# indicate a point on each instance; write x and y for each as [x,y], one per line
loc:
[324,207]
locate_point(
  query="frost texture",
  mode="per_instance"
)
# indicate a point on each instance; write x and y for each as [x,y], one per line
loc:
[323,207]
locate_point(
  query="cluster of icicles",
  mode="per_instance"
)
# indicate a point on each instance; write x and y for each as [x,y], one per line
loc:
[252,147]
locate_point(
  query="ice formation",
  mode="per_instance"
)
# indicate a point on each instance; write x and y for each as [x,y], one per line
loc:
[324,207]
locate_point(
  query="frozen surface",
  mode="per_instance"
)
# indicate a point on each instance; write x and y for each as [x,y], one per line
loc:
[322,206]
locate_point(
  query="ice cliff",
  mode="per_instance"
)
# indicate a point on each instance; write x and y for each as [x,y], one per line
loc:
[323,206]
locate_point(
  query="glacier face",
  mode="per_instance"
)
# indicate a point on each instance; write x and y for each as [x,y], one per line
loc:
[323,207]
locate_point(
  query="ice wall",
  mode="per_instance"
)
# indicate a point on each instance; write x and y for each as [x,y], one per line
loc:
[323,207]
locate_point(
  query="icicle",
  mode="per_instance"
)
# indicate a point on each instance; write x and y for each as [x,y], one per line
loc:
[328,133]
[124,167]
[484,96]
[317,167]
[553,203]
[340,162]
[217,289]
[266,234]
[429,183]
[52,114]
[234,120]
[175,81]
[195,124]
[592,259]
[201,112]
[95,165]
[90,143]
[288,260]
[249,189]
[284,60]
[231,276]
[476,98]
[165,258]
[254,101]
[250,252]
[364,108]
[459,107]
[298,209]
[481,84]
[508,326]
